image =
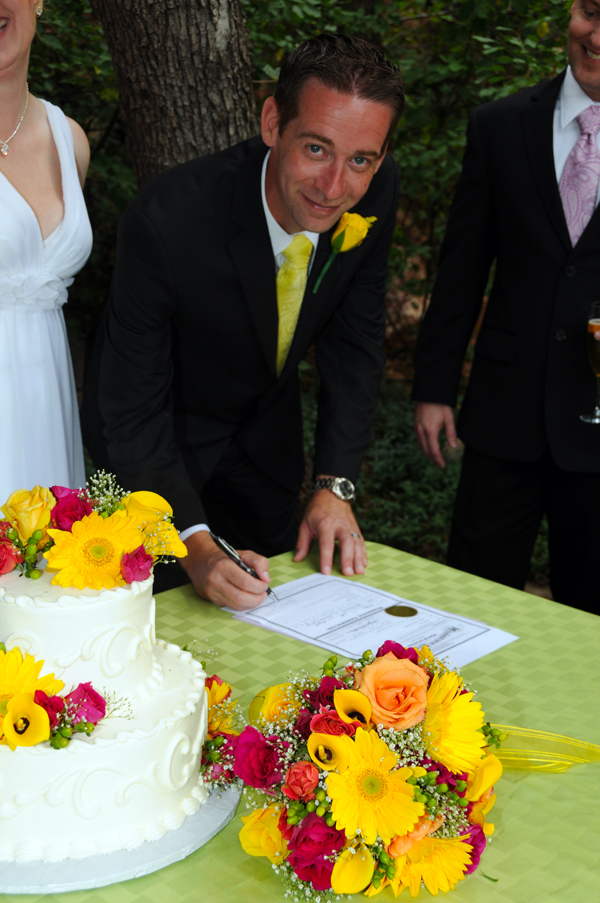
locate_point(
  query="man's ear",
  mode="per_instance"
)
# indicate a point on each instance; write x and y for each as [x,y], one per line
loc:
[269,122]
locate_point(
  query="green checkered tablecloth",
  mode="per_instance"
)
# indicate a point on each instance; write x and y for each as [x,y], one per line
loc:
[547,841]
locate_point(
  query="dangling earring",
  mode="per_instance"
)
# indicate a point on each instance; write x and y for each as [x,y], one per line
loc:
[38,11]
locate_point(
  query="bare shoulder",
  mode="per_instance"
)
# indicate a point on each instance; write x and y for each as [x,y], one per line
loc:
[82,149]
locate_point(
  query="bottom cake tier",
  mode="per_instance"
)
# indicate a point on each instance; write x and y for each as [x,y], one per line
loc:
[131,781]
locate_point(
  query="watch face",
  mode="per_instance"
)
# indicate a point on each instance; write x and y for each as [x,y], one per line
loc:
[346,490]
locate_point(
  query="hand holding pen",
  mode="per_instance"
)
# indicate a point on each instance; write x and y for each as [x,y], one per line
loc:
[235,556]
[218,578]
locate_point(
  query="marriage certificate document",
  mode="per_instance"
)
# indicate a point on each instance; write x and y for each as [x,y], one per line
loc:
[348,618]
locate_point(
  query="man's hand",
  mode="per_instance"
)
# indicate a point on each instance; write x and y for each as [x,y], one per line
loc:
[218,579]
[328,518]
[429,420]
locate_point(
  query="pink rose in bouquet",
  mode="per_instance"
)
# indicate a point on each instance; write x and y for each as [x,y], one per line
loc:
[316,870]
[10,556]
[302,725]
[258,759]
[399,651]
[52,705]
[314,836]
[329,722]
[136,565]
[474,836]
[300,780]
[323,695]
[312,846]
[71,505]
[87,704]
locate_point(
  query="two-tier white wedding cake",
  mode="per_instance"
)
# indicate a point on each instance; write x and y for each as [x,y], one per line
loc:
[135,777]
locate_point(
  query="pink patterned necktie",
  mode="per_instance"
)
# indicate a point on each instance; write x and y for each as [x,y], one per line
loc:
[579,181]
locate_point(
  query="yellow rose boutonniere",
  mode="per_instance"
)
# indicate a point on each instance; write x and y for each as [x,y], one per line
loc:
[349,233]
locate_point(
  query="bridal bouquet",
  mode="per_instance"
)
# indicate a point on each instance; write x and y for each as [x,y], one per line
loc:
[379,775]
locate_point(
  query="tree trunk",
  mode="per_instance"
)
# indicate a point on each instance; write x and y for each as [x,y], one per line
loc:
[184,72]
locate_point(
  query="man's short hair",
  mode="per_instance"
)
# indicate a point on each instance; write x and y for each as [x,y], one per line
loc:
[345,63]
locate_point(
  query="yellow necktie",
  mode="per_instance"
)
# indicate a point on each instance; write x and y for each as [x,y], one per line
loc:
[291,282]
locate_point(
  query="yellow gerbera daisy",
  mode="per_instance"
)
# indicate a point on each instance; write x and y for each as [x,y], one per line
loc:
[221,711]
[90,555]
[439,862]
[369,795]
[21,675]
[452,724]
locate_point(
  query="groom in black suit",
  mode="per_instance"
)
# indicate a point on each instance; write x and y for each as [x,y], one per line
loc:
[199,402]
[527,450]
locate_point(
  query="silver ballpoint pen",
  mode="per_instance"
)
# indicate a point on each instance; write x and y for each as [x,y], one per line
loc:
[231,552]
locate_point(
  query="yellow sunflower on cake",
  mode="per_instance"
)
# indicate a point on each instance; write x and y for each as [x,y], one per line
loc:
[371,795]
[90,555]
[452,726]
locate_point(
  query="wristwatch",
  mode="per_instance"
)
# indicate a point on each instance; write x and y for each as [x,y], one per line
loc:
[340,486]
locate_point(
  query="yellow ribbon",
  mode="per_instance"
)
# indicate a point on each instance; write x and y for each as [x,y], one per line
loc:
[541,751]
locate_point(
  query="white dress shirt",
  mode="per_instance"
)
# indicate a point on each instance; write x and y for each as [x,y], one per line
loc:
[280,239]
[572,100]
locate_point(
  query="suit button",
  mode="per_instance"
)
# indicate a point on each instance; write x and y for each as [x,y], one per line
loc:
[570,270]
[560,335]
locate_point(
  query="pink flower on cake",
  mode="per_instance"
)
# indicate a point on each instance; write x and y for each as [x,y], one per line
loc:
[257,759]
[136,565]
[300,781]
[52,705]
[71,505]
[10,556]
[87,704]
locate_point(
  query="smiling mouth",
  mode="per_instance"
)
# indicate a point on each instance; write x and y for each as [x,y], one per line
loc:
[590,55]
[325,208]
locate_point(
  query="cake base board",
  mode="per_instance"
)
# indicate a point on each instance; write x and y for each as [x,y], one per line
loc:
[109,868]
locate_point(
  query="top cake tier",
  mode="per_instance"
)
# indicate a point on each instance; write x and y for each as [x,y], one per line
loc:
[105,636]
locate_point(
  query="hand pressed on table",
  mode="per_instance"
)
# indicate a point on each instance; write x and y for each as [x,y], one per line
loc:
[328,518]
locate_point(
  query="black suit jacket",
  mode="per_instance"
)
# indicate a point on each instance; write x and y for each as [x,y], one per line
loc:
[531,378]
[190,336]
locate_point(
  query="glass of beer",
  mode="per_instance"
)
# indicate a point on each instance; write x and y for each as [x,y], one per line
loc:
[593,348]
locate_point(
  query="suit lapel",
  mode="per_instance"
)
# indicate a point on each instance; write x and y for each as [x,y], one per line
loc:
[253,257]
[537,126]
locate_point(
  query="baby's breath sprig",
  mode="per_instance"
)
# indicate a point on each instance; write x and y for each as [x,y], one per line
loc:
[117,706]
[105,492]
[204,655]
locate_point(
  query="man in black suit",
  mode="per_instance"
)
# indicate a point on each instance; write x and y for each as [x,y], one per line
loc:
[527,450]
[200,404]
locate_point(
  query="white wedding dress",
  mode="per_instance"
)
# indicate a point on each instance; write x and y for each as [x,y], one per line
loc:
[40,436]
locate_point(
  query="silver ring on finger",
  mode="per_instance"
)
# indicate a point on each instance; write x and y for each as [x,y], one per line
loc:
[356,535]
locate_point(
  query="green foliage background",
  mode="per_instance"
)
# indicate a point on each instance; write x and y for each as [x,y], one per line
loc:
[454,54]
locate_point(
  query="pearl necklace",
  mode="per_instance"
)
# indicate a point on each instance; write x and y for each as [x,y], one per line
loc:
[4,148]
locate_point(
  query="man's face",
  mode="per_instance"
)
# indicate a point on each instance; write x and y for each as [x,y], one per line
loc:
[323,163]
[584,45]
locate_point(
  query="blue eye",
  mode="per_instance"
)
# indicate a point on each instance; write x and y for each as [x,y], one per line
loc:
[360,161]
[314,148]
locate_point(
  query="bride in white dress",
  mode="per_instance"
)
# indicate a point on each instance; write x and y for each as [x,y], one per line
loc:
[45,238]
